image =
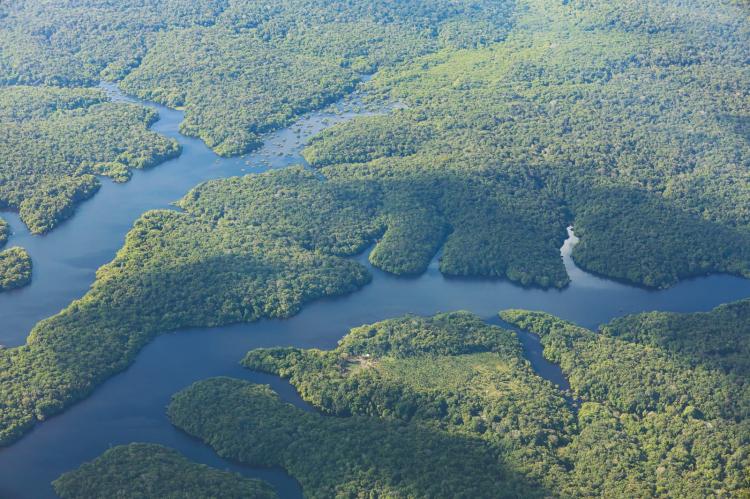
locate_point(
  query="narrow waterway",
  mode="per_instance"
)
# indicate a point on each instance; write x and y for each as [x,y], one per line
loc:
[66,259]
[131,406]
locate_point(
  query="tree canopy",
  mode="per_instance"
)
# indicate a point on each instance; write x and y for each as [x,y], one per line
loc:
[644,417]
[15,268]
[241,67]
[53,141]
[338,457]
[630,119]
[142,470]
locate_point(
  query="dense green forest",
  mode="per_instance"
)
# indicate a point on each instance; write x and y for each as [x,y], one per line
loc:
[627,120]
[451,372]
[78,43]
[655,410]
[15,268]
[718,340]
[4,232]
[15,263]
[631,118]
[242,249]
[241,67]
[652,416]
[516,119]
[652,412]
[339,457]
[54,141]
[150,470]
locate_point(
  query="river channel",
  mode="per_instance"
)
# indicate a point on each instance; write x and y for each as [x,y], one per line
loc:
[131,406]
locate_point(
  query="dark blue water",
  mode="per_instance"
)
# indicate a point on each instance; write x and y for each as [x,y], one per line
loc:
[131,406]
[533,351]
[66,259]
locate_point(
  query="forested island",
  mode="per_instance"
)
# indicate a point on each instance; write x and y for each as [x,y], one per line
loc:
[15,268]
[648,414]
[15,263]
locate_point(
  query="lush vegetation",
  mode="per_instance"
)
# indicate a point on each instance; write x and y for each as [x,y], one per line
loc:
[658,417]
[15,263]
[79,42]
[653,412]
[15,268]
[54,141]
[451,372]
[629,121]
[240,67]
[630,118]
[242,249]
[234,87]
[718,340]
[339,457]
[150,470]
[648,419]
[490,224]
[4,232]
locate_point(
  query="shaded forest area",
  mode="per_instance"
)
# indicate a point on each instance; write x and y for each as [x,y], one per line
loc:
[15,268]
[15,263]
[150,470]
[651,412]
[627,118]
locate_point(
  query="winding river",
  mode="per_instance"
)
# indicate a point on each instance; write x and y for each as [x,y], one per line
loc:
[131,406]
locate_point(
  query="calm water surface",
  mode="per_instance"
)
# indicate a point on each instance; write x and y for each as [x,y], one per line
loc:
[131,406]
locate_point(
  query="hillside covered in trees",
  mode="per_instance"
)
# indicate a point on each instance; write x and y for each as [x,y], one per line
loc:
[149,470]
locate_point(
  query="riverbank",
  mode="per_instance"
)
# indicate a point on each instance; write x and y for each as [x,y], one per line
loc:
[130,406]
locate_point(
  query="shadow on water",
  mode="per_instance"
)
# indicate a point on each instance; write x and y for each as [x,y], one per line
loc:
[131,406]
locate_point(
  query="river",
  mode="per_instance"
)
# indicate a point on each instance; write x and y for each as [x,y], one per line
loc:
[131,406]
